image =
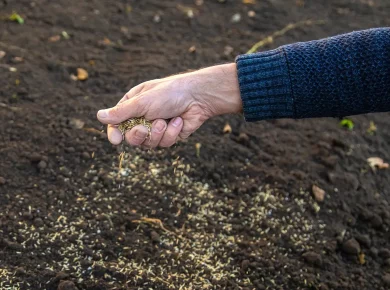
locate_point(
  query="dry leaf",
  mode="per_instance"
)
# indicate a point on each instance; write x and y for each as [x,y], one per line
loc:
[2,54]
[227,129]
[319,194]
[376,162]
[82,74]
[55,38]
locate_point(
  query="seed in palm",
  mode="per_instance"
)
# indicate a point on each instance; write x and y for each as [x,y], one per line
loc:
[132,122]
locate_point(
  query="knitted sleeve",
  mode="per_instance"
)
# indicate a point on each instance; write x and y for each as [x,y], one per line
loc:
[334,77]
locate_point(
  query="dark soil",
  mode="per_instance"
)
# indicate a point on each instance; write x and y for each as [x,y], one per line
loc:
[239,216]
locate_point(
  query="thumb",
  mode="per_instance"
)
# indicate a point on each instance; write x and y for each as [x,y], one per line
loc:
[129,109]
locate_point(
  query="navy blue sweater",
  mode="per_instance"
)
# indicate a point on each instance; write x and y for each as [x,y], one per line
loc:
[334,77]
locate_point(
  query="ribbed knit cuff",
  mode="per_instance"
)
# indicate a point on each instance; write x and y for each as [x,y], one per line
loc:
[265,85]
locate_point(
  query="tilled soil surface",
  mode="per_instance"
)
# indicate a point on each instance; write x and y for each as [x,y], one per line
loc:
[239,213]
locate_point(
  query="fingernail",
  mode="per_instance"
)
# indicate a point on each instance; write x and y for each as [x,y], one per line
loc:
[140,134]
[177,122]
[159,126]
[103,113]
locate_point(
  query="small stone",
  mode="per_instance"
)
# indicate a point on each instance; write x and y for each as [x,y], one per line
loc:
[86,155]
[351,247]
[20,271]
[244,265]
[76,123]
[157,18]
[236,18]
[70,150]
[243,138]
[67,285]
[251,13]
[42,164]
[364,240]
[39,222]
[313,258]
[386,279]
[319,194]
[376,221]
[2,180]
[374,252]
[61,276]
[155,237]
[384,253]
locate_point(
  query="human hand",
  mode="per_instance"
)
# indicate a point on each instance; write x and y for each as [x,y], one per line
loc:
[187,99]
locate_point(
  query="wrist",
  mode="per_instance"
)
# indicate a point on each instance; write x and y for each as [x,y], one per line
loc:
[217,87]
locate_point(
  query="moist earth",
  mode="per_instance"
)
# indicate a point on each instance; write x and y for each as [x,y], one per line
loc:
[219,211]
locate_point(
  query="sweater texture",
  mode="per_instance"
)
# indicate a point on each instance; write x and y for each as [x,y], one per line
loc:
[334,77]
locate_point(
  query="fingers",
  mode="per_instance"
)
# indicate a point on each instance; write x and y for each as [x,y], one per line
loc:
[122,111]
[137,135]
[161,134]
[172,132]
[158,129]
[114,135]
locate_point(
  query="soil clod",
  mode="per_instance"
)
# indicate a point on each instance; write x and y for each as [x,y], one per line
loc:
[351,247]
[313,258]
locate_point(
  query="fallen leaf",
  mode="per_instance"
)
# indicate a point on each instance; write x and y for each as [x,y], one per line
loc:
[192,49]
[376,162]
[362,259]
[319,194]
[372,129]
[54,38]
[16,17]
[2,54]
[82,74]
[227,129]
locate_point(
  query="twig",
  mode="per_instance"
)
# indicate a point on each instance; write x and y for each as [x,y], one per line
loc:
[270,39]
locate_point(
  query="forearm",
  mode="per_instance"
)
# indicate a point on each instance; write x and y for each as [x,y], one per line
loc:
[333,77]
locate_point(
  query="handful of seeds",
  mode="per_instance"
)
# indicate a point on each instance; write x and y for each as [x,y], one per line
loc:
[132,122]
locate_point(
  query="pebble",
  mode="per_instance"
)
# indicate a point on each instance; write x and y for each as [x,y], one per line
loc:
[67,285]
[2,180]
[313,258]
[351,247]
[386,279]
[376,221]
[42,164]
[244,265]
[384,253]
[61,276]
[20,271]
[38,222]
[236,18]
[86,155]
[364,240]
[319,193]
[155,236]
